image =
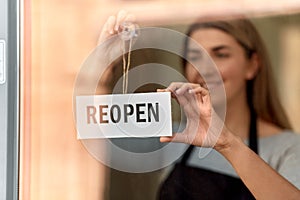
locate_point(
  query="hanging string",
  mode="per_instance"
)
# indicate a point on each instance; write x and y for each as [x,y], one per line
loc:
[126,65]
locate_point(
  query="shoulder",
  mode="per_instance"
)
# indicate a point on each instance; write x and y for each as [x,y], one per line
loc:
[277,148]
[282,152]
[266,129]
[283,141]
[291,141]
[284,133]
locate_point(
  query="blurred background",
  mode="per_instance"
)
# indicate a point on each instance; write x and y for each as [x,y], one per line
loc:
[58,35]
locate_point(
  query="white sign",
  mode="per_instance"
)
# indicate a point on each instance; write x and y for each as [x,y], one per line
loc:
[124,115]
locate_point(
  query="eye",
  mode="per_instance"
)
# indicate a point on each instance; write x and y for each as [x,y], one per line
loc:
[194,55]
[222,55]
[194,58]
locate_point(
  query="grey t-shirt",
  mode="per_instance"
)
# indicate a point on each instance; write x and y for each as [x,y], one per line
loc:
[280,151]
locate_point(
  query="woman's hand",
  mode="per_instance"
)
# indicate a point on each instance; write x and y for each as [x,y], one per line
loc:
[204,127]
[111,50]
[113,25]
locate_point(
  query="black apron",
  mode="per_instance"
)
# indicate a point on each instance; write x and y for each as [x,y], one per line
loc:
[192,183]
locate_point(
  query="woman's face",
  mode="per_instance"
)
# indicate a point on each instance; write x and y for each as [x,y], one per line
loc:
[229,57]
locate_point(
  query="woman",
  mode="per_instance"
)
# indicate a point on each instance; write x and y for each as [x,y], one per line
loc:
[253,112]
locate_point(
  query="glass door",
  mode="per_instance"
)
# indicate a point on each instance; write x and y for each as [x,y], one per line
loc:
[56,38]
[9,99]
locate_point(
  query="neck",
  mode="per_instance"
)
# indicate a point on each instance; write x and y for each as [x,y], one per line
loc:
[238,117]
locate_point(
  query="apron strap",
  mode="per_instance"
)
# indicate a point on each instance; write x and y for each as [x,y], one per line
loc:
[187,154]
[253,132]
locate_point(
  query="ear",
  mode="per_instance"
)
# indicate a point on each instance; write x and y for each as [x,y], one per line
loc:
[254,67]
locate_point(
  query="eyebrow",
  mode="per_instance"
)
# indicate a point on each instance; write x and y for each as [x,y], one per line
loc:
[217,48]
[214,49]
[193,51]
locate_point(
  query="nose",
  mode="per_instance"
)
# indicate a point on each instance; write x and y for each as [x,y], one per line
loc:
[201,75]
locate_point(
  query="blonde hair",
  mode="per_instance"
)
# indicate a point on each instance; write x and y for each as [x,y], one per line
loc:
[261,92]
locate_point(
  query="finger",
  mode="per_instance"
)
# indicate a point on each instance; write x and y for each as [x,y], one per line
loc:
[203,91]
[130,18]
[197,94]
[193,107]
[106,29]
[120,19]
[182,100]
[192,102]
[165,139]
[179,91]
[161,90]
[182,87]
[205,99]
[110,24]
[172,94]
[174,86]
[189,87]
[177,138]
[171,88]
[104,34]
[187,99]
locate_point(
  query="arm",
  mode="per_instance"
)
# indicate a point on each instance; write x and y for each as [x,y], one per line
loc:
[262,180]
[204,128]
